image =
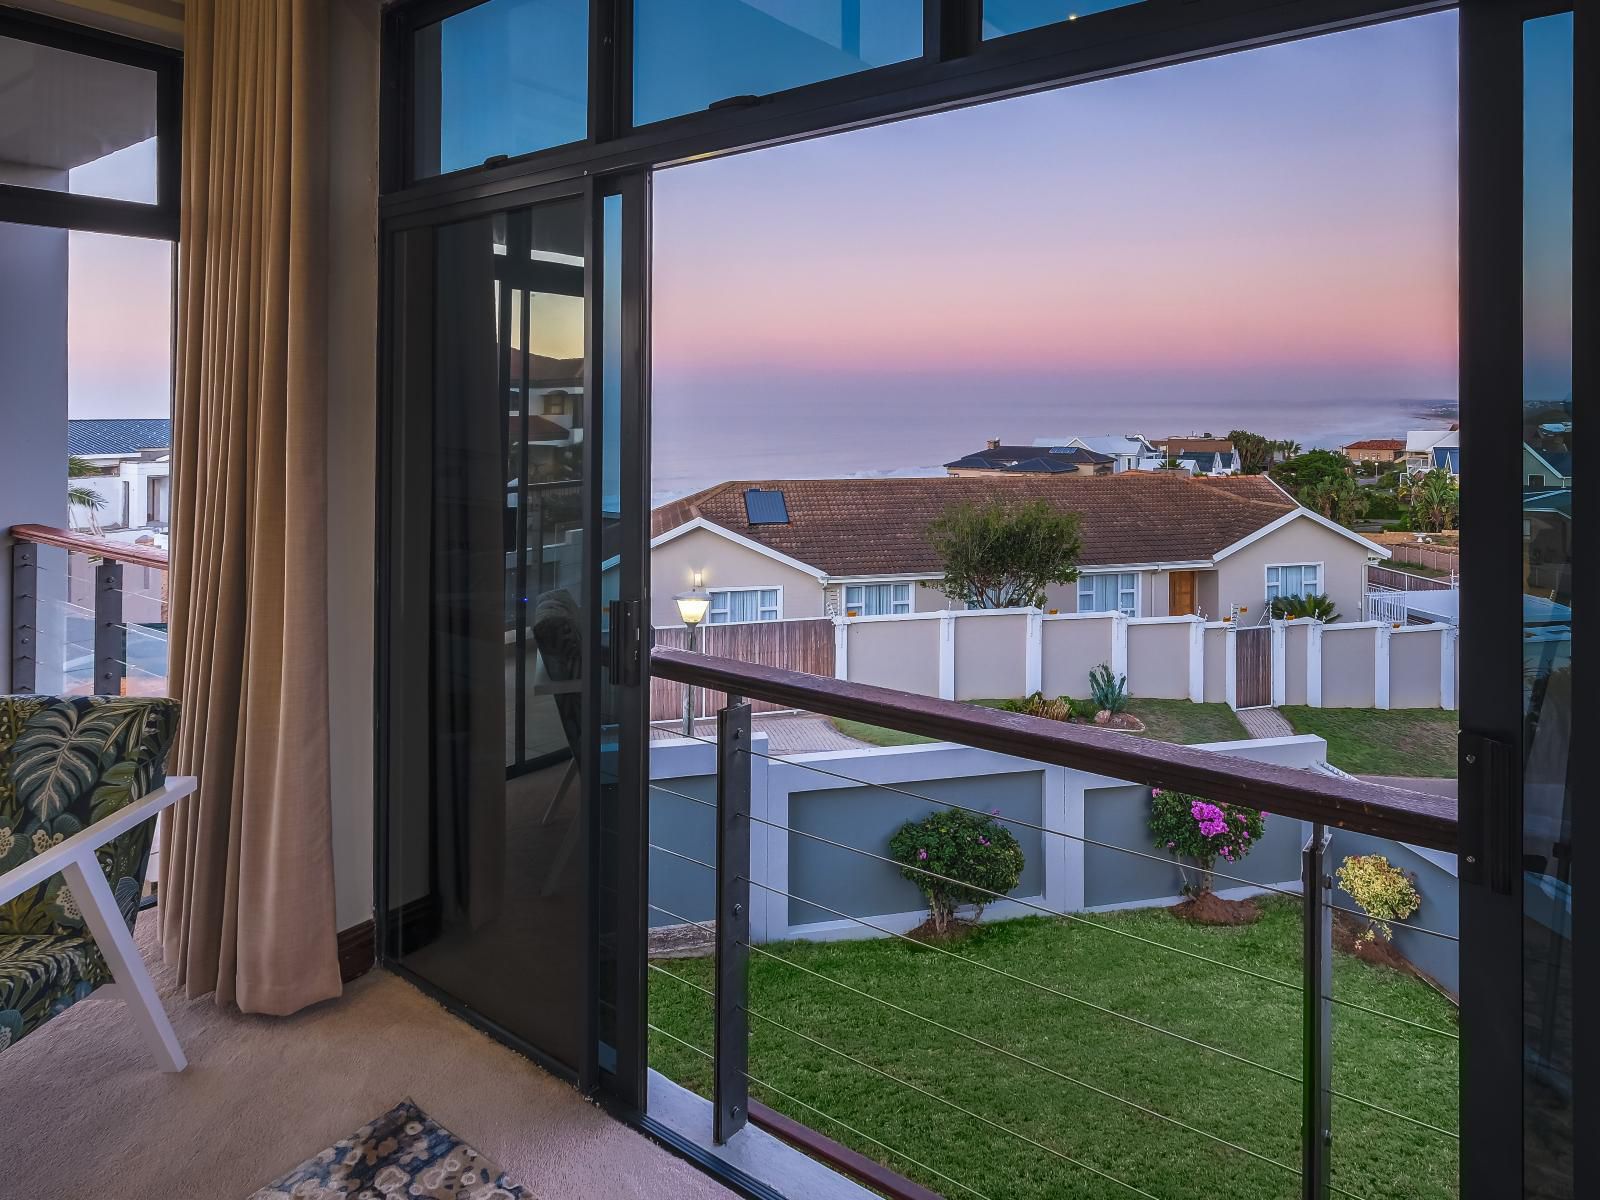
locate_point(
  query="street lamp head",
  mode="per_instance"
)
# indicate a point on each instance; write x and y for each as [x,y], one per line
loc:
[692,605]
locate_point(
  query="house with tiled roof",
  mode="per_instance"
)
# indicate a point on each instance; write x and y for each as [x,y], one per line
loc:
[1159,543]
[1200,455]
[998,459]
[1375,450]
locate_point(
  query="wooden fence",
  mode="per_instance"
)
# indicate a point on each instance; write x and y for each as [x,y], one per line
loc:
[1438,558]
[802,645]
[1388,577]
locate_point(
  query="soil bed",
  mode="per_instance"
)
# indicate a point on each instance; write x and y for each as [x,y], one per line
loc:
[1208,908]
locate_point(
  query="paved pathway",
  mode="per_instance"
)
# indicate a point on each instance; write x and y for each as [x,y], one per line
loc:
[1264,723]
[787,733]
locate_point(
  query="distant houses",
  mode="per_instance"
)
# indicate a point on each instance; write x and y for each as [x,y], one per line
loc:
[1375,450]
[1427,449]
[998,459]
[131,460]
[1155,544]
[1200,455]
[1129,451]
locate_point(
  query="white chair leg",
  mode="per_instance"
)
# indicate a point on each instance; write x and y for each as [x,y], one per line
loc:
[111,936]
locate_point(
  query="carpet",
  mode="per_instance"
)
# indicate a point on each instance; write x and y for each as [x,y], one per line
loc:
[404,1152]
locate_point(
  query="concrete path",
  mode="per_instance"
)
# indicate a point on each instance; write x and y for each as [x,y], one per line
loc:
[1264,723]
[787,733]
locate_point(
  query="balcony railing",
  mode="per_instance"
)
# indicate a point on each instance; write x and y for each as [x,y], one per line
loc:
[88,614]
[1320,801]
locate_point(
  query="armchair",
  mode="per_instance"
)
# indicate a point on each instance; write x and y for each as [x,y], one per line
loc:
[81,780]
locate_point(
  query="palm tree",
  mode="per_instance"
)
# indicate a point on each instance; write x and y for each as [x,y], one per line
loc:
[1435,499]
[77,494]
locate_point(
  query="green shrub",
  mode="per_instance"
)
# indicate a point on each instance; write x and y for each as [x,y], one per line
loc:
[1384,892]
[966,848]
[1085,709]
[1109,692]
[1192,827]
[1038,705]
[1292,607]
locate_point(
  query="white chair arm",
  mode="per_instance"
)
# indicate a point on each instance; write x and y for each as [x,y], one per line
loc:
[36,870]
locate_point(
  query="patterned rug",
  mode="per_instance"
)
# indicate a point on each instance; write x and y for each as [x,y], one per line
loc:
[404,1153]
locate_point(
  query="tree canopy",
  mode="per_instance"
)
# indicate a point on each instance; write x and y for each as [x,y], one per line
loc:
[1324,482]
[997,556]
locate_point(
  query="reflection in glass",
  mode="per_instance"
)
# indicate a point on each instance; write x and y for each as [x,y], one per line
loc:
[78,124]
[1547,467]
[489,891]
[506,77]
[689,54]
[1001,17]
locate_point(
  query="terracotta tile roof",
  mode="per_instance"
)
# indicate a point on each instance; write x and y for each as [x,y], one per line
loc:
[1175,446]
[1378,444]
[878,526]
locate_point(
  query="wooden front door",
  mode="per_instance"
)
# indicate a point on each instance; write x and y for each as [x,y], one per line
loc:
[1180,594]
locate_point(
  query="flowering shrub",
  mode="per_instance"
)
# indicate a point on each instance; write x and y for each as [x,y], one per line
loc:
[1384,892]
[970,848]
[1191,827]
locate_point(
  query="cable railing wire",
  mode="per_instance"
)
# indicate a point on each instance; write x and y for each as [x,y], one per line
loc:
[900,1154]
[1018,821]
[1043,987]
[977,1041]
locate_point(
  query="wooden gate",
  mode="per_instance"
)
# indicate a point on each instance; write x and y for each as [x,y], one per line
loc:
[798,645]
[1253,667]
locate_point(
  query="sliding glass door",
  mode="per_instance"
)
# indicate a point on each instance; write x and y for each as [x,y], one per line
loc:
[503,698]
[1521,755]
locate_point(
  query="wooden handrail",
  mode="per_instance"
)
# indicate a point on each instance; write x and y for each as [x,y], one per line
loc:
[1352,804]
[86,543]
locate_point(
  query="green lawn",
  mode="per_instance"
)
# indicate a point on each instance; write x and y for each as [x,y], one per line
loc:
[1165,720]
[1370,741]
[1375,1156]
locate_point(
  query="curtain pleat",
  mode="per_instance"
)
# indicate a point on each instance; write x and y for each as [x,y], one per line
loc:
[247,906]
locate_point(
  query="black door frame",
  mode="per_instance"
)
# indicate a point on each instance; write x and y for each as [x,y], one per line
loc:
[958,68]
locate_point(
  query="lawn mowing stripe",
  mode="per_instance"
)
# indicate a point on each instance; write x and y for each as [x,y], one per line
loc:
[977,1041]
[967,1112]
[900,1154]
[1293,987]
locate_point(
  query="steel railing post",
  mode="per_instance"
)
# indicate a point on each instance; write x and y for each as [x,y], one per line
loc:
[731,1102]
[24,616]
[110,633]
[1316,1105]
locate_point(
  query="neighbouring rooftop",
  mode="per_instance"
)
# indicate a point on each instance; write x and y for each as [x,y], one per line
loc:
[116,436]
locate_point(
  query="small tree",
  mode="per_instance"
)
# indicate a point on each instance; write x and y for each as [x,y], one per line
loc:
[1191,827]
[1255,452]
[77,493]
[997,556]
[1290,608]
[957,857]
[1384,892]
[1435,500]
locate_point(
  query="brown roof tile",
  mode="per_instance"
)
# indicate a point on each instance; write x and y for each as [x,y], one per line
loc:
[878,526]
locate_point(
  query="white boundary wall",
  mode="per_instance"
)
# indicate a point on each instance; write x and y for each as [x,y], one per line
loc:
[1009,653]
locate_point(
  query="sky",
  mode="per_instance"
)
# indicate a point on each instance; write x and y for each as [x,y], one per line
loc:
[119,302]
[1263,240]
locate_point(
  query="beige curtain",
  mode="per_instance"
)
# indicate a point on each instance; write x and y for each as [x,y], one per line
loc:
[246,868]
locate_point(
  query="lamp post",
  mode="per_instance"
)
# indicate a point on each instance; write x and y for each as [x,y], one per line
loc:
[692,607]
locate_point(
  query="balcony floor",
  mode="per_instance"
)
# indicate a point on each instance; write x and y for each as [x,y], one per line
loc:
[87,1113]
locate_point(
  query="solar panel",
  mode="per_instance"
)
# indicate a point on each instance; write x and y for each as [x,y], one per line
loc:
[765,507]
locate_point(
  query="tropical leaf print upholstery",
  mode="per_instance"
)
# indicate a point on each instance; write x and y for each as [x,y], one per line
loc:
[66,763]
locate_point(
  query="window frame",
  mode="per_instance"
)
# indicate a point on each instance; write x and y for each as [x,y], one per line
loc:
[1137,589]
[776,609]
[24,205]
[1302,567]
[910,601]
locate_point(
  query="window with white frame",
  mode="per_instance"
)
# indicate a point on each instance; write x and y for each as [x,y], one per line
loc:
[1112,591]
[876,599]
[1294,579]
[743,606]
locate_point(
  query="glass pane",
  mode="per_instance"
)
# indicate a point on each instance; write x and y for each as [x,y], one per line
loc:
[688,54]
[1001,17]
[492,905]
[1548,540]
[74,123]
[507,77]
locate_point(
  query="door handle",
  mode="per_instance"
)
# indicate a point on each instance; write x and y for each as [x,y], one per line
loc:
[624,653]
[1491,839]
